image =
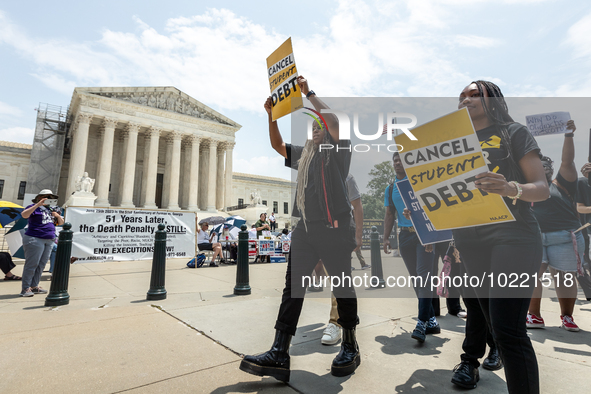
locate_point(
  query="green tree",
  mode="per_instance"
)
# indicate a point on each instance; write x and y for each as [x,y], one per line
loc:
[373,208]
[381,175]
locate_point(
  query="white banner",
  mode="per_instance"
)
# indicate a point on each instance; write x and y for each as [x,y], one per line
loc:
[105,234]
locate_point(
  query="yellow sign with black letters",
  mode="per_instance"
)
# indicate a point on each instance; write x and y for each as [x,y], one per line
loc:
[442,165]
[283,75]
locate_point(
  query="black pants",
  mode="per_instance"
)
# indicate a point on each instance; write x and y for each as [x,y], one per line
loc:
[6,263]
[478,333]
[505,316]
[331,245]
[585,280]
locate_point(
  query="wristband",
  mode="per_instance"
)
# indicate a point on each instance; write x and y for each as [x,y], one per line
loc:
[519,192]
[311,92]
[569,135]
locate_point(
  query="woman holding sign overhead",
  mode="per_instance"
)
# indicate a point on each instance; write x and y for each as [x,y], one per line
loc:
[564,246]
[322,233]
[504,250]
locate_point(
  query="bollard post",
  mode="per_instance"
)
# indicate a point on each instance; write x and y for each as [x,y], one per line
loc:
[58,291]
[242,286]
[376,259]
[157,290]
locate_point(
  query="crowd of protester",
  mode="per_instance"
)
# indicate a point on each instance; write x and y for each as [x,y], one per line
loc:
[546,240]
[544,235]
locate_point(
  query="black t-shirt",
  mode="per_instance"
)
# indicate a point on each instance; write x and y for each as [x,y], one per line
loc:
[524,229]
[584,197]
[338,167]
[558,212]
[313,209]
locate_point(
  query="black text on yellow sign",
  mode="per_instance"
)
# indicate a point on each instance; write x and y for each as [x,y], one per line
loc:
[282,73]
[442,165]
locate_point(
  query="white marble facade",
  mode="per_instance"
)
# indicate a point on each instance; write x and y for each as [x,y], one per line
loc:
[149,147]
[14,168]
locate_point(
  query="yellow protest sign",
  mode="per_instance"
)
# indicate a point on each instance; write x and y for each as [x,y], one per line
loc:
[283,74]
[441,166]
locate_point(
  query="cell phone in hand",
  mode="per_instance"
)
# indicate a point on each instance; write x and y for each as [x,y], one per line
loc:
[51,202]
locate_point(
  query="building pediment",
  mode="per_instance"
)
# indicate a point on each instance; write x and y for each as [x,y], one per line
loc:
[161,98]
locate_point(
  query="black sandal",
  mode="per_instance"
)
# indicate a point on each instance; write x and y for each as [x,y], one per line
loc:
[13,277]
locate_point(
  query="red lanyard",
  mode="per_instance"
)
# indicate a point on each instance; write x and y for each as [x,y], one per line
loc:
[325,197]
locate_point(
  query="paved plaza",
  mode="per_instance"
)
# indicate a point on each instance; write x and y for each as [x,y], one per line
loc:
[109,339]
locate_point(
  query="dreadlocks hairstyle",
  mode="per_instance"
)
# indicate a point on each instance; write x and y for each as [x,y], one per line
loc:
[309,153]
[497,113]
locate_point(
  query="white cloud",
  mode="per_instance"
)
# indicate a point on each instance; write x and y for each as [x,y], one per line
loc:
[579,37]
[7,110]
[23,135]
[476,41]
[219,57]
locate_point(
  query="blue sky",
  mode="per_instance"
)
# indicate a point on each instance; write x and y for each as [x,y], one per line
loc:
[216,51]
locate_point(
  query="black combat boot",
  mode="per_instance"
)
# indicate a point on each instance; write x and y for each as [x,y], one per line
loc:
[348,359]
[273,363]
[493,362]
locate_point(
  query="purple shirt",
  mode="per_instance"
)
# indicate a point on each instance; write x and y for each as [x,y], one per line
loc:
[41,223]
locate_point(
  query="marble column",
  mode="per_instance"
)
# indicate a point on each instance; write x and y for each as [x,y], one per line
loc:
[228,176]
[78,149]
[194,173]
[220,181]
[103,178]
[203,173]
[150,172]
[174,140]
[212,172]
[128,173]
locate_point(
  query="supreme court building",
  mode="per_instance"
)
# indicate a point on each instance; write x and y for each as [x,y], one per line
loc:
[149,147]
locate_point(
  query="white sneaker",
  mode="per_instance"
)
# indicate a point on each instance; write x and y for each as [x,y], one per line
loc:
[27,292]
[331,334]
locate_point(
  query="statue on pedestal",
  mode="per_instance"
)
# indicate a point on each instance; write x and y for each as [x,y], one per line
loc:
[84,183]
[255,198]
[83,196]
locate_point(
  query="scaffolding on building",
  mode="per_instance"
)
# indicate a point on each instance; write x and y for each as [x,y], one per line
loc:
[48,148]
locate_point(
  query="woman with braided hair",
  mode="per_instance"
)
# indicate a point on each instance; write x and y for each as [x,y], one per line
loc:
[509,248]
[323,233]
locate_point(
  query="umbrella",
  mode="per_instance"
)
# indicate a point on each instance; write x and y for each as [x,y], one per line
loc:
[213,220]
[235,221]
[9,212]
[232,230]
[14,238]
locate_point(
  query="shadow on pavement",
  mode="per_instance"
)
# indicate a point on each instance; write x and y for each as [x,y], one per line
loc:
[9,296]
[307,382]
[558,334]
[402,343]
[439,381]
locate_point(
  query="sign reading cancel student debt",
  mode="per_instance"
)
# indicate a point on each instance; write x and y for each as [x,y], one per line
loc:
[103,234]
[442,165]
[283,75]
